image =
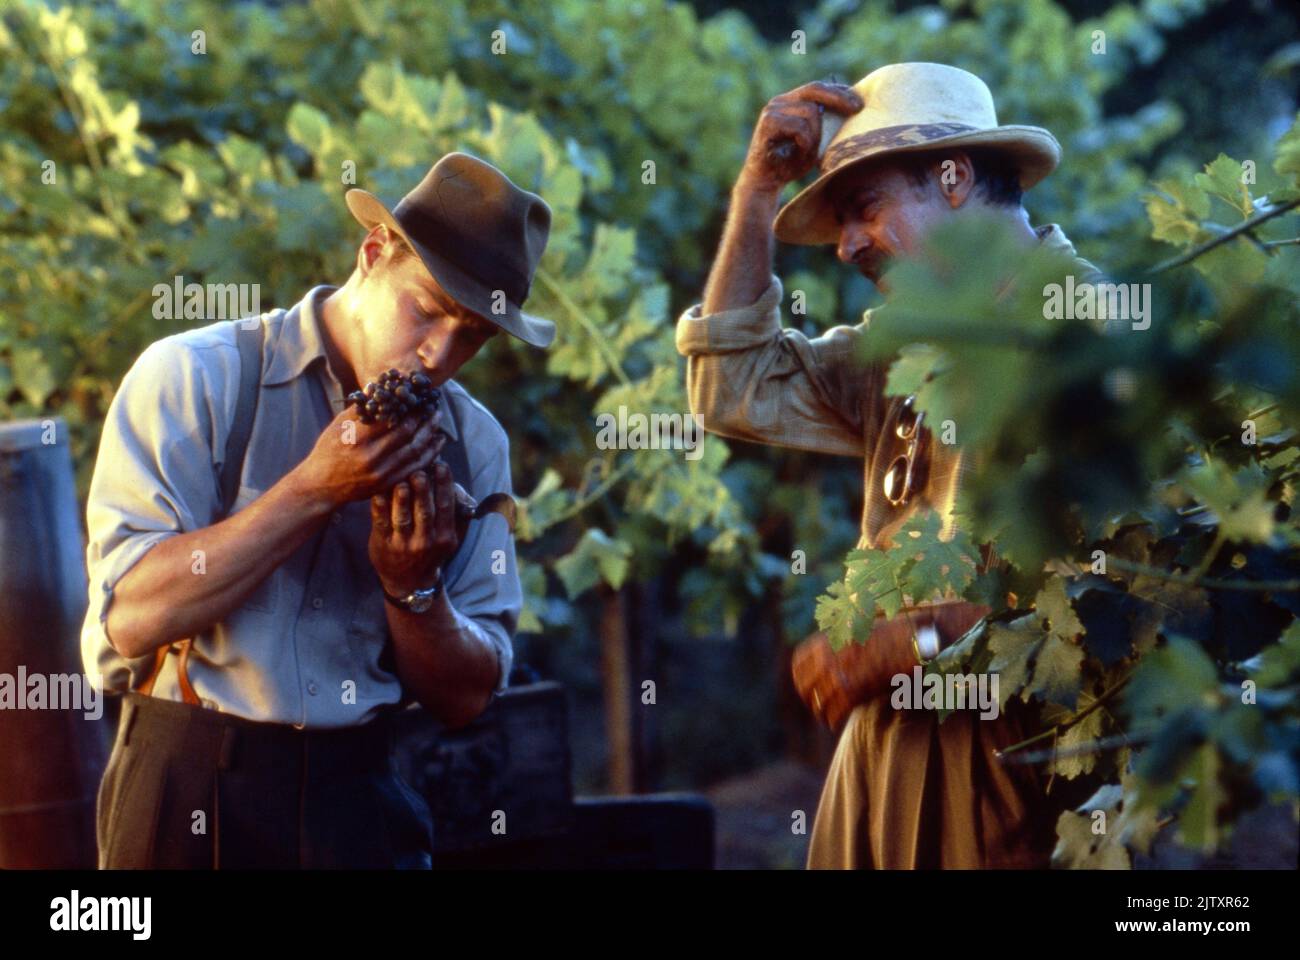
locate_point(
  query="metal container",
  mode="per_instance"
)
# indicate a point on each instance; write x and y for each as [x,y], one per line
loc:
[51,755]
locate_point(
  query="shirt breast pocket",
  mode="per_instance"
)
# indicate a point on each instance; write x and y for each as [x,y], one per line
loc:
[266,594]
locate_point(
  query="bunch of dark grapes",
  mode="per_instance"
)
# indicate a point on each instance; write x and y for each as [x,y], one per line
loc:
[394,397]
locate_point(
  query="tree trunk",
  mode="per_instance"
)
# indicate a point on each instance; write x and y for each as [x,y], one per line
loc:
[616,678]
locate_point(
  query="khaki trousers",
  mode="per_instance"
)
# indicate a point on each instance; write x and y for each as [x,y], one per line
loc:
[906,792]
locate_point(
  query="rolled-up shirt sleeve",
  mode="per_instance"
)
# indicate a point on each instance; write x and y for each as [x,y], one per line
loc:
[154,478]
[750,378]
[483,579]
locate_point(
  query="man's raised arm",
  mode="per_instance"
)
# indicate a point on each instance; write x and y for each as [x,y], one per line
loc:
[782,149]
[747,377]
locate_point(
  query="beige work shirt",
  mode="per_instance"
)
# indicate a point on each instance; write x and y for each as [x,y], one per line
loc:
[753,379]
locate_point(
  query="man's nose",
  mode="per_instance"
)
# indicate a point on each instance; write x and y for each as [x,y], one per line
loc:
[853,245]
[434,351]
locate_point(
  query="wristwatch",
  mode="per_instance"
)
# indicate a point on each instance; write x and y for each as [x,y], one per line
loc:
[417,601]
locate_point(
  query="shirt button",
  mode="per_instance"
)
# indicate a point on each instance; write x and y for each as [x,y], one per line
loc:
[317,603]
[312,688]
[336,518]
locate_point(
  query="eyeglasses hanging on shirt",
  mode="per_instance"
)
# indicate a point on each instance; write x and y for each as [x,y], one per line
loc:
[907,473]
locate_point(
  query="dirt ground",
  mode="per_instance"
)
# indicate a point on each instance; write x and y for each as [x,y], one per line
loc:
[756,817]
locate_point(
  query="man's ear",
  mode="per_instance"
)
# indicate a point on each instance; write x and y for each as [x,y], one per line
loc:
[372,248]
[956,178]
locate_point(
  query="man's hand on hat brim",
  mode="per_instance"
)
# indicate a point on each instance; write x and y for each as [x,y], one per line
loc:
[788,134]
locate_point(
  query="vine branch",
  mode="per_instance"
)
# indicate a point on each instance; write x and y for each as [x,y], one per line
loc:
[587,324]
[1060,728]
[1244,227]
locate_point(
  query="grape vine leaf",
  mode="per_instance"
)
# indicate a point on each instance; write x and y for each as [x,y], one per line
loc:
[1223,178]
[596,557]
[1280,662]
[919,566]
[1057,672]
[1077,737]
[939,566]
[1286,162]
[839,615]
[1177,221]
[1238,498]
[1125,828]
[1079,848]
[870,582]
[1012,647]
[1053,607]
[1198,821]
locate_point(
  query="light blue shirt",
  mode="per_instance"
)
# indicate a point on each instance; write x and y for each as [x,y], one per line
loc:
[288,653]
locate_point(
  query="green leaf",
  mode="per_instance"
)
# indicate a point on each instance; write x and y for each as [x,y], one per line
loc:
[245,159]
[453,104]
[912,369]
[1079,736]
[613,255]
[32,375]
[1238,498]
[1057,672]
[1280,662]
[514,144]
[1223,178]
[1232,266]
[537,511]
[1198,822]
[1286,162]
[1054,608]
[309,127]
[1078,847]
[596,557]
[1178,221]
[305,218]
[532,578]
[1086,841]
[919,567]
[840,616]
[1169,680]
[940,567]
[1013,647]
[200,171]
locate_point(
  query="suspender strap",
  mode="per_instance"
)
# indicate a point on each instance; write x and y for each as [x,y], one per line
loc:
[249,340]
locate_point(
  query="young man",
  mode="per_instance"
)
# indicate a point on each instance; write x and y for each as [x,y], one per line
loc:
[334,590]
[921,144]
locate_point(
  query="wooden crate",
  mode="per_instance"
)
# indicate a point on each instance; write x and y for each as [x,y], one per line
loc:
[511,767]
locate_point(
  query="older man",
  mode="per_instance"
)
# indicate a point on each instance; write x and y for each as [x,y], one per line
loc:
[921,144]
[308,566]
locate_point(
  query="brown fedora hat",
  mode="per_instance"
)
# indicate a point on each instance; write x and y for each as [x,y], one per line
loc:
[479,235]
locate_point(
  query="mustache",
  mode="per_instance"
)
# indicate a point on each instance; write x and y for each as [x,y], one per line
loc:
[873,267]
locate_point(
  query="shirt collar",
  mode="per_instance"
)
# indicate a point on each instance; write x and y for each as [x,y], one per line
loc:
[1052,237]
[301,343]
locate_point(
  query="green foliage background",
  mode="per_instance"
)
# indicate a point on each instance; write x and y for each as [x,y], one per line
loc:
[229,167]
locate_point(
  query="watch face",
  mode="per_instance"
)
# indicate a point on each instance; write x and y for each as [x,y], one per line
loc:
[421,602]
